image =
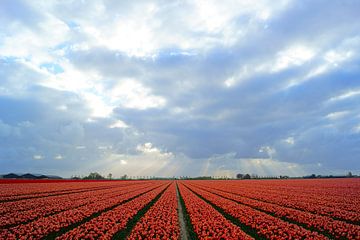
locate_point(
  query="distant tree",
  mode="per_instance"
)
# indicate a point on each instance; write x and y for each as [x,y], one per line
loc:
[349,174]
[310,176]
[124,177]
[109,176]
[254,176]
[239,176]
[94,176]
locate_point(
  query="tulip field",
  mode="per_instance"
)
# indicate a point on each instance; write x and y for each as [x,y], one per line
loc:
[180,209]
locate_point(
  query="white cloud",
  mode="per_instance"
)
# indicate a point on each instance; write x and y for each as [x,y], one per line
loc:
[105,147]
[292,56]
[149,149]
[245,72]
[132,94]
[58,157]
[97,104]
[336,57]
[229,165]
[142,28]
[270,167]
[74,79]
[345,95]
[149,161]
[337,115]
[332,60]
[290,140]
[38,157]
[36,43]
[230,81]
[270,151]
[132,36]
[123,162]
[118,124]
[62,107]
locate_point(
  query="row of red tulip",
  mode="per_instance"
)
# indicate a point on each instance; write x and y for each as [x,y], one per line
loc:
[13,190]
[264,209]
[339,193]
[33,201]
[161,221]
[46,190]
[334,193]
[327,225]
[54,223]
[51,205]
[206,221]
[26,204]
[265,225]
[111,222]
[347,210]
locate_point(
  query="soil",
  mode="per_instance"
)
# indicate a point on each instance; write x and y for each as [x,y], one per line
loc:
[184,235]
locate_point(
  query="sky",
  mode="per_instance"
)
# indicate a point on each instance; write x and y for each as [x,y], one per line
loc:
[180,88]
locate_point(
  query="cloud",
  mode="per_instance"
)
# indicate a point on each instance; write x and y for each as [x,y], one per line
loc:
[58,157]
[6,130]
[131,94]
[118,124]
[290,140]
[293,56]
[229,165]
[356,129]
[268,150]
[183,88]
[337,115]
[346,95]
[147,161]
[38,157]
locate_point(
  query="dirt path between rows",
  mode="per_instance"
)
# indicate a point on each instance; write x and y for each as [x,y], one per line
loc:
[184,234]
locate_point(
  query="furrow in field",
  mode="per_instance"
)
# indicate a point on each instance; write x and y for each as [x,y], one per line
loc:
[184,220]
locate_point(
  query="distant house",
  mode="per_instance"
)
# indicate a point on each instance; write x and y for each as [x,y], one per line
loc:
[243,176]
